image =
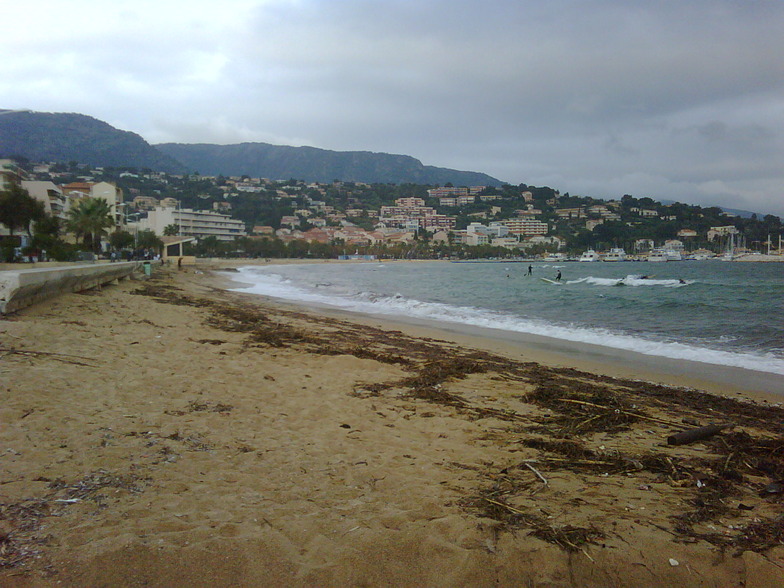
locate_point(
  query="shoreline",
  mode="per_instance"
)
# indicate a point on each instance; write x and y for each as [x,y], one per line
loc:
[713,378]
[167,432]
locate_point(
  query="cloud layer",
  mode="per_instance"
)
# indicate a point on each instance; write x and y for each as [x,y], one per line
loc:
[671,100]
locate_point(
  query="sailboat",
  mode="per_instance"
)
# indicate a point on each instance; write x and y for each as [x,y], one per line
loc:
[729,254]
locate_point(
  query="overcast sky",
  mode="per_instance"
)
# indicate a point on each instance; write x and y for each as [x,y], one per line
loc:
[680,100]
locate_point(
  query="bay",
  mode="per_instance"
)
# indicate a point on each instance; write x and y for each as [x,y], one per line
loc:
[713,312]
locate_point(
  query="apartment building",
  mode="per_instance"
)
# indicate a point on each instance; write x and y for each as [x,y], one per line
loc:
[570,212]
[454,191]
[456,200]
[55,202]
[447,191]
[406,212]
[113,196]
[495,229]
[526,226]
[411,202]
[10,173]
[194,223]
[438,222]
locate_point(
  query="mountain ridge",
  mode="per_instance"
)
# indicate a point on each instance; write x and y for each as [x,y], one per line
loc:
[315,164]
[63,137]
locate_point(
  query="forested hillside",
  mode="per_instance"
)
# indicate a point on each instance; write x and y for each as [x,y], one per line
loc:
[44,136]
[316,165]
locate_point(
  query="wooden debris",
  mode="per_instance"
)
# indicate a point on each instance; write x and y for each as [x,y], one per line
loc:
[692,435]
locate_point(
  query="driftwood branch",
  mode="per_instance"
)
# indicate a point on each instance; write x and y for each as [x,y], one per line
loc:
[58,356]
[538,475]
[504,505]
[627,412]
[692,435]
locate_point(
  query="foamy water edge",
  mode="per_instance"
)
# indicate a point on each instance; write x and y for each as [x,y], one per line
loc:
[275,286]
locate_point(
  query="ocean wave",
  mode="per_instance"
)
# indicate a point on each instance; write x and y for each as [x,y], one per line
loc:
[631,280]
[395,304]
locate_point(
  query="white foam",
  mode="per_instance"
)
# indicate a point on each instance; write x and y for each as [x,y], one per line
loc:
[630,280]
[269,284]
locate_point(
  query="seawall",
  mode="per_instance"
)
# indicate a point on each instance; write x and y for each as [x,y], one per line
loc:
[20,288]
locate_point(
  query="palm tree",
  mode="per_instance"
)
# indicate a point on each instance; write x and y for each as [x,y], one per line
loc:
[89,220]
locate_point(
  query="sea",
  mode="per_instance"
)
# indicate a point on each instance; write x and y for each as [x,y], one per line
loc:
[714,313]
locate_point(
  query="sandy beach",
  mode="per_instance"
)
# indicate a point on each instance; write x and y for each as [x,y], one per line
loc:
[168,432]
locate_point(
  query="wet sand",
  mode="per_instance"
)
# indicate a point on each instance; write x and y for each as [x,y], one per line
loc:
[169,433]
[717,379]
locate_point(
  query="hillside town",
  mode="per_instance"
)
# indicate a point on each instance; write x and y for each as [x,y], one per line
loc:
[245,216]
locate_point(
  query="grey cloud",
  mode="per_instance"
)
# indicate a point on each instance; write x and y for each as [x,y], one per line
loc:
[587,96]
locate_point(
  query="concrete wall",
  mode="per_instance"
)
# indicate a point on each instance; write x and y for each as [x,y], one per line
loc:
[20,288]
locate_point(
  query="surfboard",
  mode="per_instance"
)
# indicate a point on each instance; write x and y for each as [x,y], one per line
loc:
[549,281]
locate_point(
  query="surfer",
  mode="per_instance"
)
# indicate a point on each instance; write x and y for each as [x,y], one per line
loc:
[530,271]
[558,276]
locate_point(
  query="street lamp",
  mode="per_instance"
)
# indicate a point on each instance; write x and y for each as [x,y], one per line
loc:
[126,216]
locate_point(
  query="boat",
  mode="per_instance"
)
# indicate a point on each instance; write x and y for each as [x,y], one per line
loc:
[615,254]
[673,255]
[699,255]
[657,255]
[589,255]
[664,255]
[555,257]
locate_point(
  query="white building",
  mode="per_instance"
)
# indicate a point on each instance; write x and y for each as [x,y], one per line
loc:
[194,223]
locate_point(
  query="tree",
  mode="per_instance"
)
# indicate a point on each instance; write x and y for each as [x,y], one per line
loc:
[210,246]
[46,237]
[147,239]
[89,220]
[121,240]
[171,230]
[18,209]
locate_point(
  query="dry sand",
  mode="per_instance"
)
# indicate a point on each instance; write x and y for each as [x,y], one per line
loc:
[168,433]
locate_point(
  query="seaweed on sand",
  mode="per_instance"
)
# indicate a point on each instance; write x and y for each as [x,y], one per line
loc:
[578,404]
[21,538]
[582,407]
[568,537]
[576,457]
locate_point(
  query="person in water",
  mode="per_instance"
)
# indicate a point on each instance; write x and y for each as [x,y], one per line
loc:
[530,270]
[558,276]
